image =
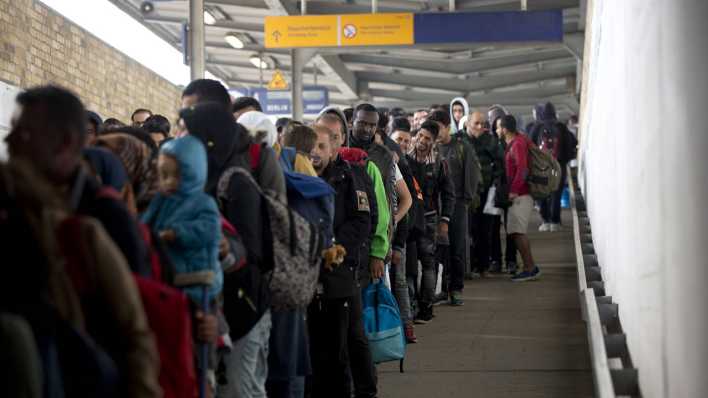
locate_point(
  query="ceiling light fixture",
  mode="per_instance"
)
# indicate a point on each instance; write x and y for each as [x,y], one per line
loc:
[209,19]
[262,62]
[235,40]
[147,7]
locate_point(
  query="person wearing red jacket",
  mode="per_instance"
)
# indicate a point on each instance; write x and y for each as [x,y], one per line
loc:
[517,170]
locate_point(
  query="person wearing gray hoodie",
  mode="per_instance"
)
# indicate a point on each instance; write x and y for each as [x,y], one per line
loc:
[459,108]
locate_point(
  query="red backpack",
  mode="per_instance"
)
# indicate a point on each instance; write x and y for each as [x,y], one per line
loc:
[166,308]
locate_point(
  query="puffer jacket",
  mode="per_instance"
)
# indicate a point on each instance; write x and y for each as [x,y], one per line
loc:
[192,214]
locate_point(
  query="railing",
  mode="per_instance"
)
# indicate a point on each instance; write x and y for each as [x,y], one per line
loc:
[613,373]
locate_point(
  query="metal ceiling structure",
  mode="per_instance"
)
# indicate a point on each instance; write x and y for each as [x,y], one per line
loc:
[515,75]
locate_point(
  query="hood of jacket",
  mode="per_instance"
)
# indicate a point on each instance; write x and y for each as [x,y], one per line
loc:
[538,112]
[454,125]
[259,127]
[220,134]
[494,113]
[338,113]
[107,166]
[192,158]
[548,112]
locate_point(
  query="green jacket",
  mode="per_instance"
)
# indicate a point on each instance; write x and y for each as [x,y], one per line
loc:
[380,243]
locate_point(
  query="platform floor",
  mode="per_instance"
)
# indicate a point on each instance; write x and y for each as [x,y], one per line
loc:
[509,339]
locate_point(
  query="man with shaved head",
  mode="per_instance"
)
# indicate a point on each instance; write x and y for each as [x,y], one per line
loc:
[491,160]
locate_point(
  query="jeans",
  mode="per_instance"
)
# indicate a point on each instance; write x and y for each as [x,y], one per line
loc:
[291,388]
[551,206]
[481,228]
[360,360]
[458,247]
[247,363]
[399,284]
[423,247]
[338,344]
[412,274]
[496,254]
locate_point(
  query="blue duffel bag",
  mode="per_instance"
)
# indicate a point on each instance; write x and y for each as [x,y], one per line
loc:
[382,324]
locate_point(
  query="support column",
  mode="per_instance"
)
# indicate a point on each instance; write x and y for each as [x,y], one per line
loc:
[297,63]
[196,39]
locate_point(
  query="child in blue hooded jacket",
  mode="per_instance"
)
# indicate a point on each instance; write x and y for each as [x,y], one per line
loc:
[185,217]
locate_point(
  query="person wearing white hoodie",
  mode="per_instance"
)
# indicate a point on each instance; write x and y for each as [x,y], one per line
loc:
[459,109]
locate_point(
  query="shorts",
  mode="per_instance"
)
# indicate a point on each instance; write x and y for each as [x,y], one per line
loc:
[519,215]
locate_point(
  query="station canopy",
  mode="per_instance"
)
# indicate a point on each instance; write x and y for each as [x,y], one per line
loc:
[515,74]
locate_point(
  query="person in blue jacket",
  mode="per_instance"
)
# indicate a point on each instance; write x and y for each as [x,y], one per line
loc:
[184,216]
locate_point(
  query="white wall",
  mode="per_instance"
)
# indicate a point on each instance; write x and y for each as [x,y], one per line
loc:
[8,93]
[644,151]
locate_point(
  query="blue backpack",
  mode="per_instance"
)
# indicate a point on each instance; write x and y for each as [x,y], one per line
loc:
[311,197]
[382,324]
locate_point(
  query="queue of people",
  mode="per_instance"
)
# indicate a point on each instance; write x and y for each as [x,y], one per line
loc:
[224,255]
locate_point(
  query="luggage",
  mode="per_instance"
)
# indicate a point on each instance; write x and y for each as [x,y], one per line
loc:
[544,173]
[295,244]
[382,324]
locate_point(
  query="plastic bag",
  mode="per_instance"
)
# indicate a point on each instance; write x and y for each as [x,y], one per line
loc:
[489,207]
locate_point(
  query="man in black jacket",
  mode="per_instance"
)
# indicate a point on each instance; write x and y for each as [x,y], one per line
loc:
[431,172]
[465,175]
[336,315]
[491,159]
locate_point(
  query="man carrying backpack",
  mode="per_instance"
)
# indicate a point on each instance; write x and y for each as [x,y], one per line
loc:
[554,137]
[517,169]
[337,314]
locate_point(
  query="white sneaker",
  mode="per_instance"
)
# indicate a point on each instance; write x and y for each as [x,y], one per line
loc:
[556,228]
[545,227]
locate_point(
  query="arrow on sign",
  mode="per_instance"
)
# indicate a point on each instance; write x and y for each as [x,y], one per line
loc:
[276,35]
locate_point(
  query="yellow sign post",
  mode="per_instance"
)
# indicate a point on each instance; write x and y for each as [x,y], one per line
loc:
[278,81]
[339,30]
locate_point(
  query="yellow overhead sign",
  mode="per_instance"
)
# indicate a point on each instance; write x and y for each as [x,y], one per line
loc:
[376,29]
[278,82]
[301,31]
[339,30]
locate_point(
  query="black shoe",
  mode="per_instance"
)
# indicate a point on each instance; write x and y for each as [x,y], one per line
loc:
[440,298]
[512,268]
[424,316]
[495,267]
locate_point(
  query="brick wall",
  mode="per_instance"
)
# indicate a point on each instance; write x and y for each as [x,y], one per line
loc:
[39,46]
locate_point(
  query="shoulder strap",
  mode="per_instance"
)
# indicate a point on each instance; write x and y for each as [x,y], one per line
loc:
[106,192]
[222,186]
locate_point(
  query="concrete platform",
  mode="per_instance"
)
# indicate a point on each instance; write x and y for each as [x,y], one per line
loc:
[509,340]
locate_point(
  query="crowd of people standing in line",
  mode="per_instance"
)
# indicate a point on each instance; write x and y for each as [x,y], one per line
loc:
[132,247]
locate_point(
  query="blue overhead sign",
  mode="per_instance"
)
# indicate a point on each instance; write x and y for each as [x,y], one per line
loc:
[489,27]
[314,98]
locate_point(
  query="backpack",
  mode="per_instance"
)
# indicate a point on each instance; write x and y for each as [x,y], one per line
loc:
[312,198]
[544,173]
[382,324]
[549,141]
[166,309]
[294,242]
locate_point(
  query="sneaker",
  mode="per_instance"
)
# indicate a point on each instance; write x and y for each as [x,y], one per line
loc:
[456,299]
[440,298]
[475,275]
[556,228]
[545,227]
[424,316]
[495,267]
[512,268]
[527,276]
[410,334]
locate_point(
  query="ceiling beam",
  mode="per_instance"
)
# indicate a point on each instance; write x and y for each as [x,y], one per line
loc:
[467,85]
[458,66]
[512,97]
[221,24]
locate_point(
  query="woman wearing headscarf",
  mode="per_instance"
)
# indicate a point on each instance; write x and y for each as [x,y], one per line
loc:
[138,160]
